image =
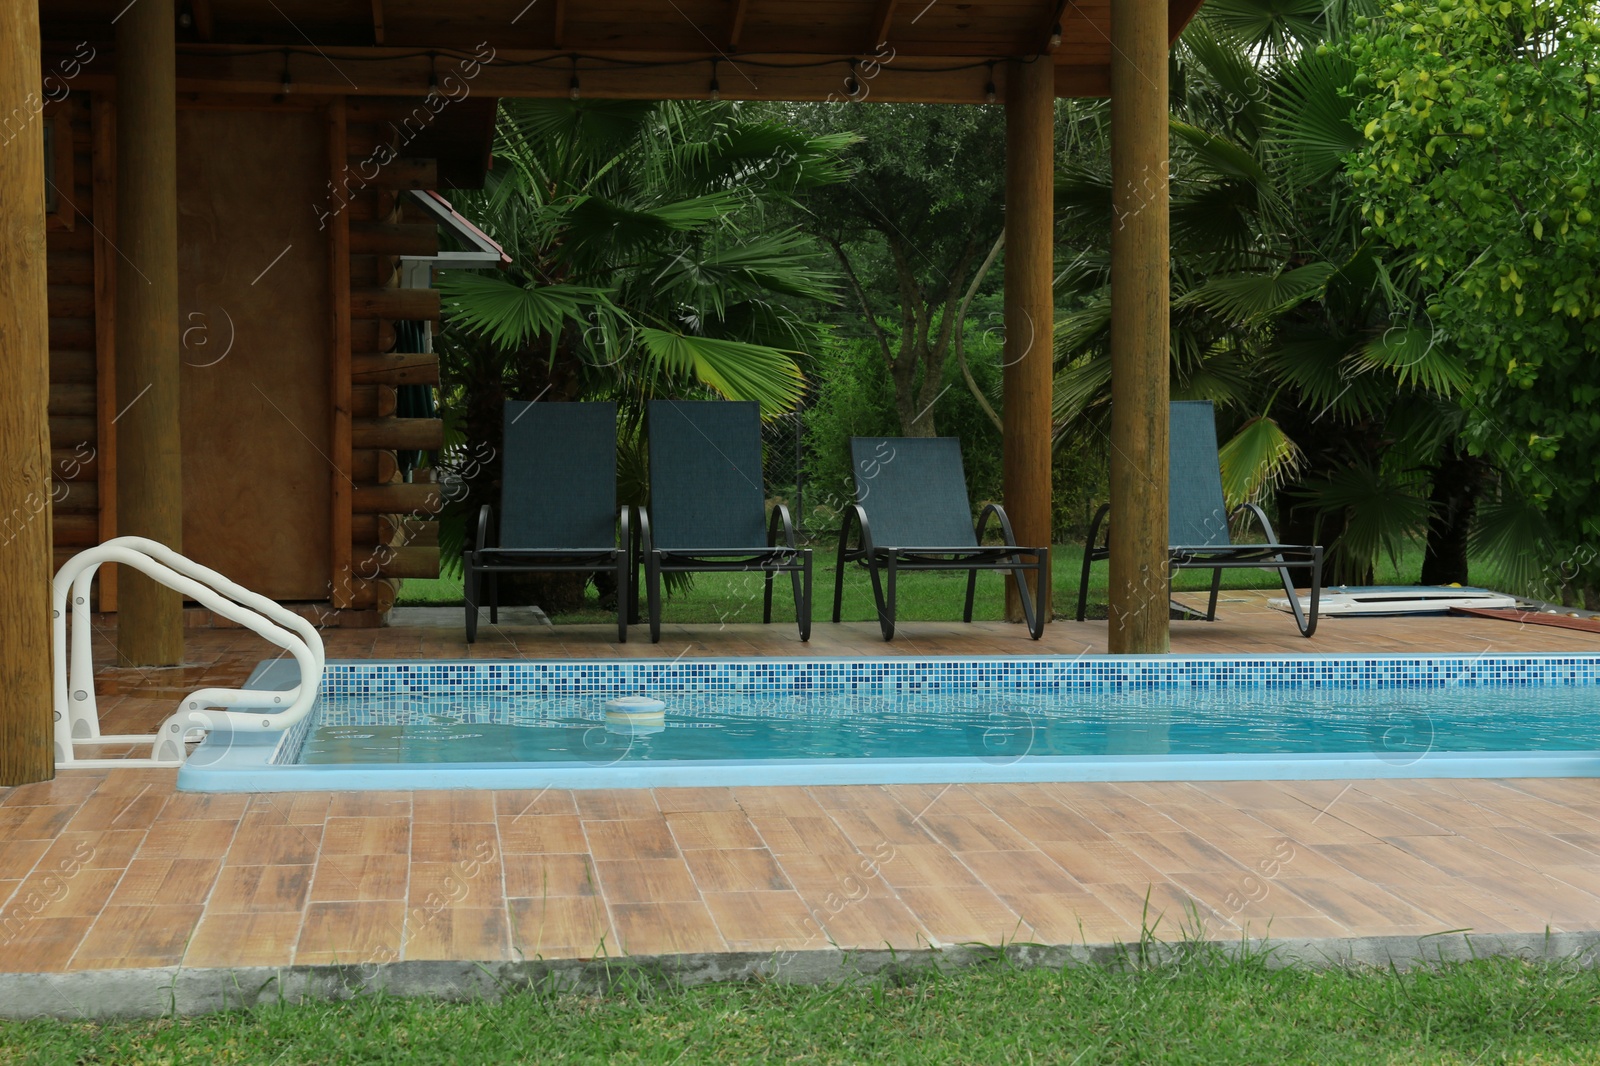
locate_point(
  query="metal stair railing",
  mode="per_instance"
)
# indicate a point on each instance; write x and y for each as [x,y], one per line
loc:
[77,719]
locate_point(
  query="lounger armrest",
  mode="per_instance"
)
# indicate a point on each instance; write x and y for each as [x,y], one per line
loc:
[1260,517]
[855,514]
[485,523]
[1005,524]
[646,544]
[780,513]
[624,520]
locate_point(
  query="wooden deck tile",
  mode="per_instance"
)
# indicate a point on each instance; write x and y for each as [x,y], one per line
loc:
[260,889]
[955,915]
[348,933]
[664,927]
[764,921]
[749,870]
[258,938]
[126,937]
[646,880]
[561,927]
[539,876]
[536,834]
[633,839]
[464,932]
[367,836]
[41,945]
[152,882]
[359,878]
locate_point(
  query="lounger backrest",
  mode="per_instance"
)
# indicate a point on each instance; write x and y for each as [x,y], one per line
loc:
[1197,514]
[558,480]
[914,491]
[705,475]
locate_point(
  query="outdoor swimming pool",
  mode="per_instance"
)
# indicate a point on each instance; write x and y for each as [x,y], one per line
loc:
[521,724]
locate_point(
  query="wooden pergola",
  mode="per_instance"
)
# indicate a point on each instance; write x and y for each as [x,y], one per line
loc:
[149,57]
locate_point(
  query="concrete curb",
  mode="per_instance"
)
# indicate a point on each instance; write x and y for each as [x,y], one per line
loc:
[177,990]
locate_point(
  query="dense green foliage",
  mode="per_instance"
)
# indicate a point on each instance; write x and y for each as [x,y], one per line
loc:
[1480,164]
[1202,1010]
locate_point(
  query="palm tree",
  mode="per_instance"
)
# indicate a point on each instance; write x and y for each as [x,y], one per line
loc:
[647,258]
[1313,342]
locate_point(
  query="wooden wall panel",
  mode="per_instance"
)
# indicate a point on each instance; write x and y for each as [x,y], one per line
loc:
[254,268]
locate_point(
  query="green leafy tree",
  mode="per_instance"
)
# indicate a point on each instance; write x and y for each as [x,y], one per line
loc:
[1337,401]
[650,254]
[910,229]
[1479,163]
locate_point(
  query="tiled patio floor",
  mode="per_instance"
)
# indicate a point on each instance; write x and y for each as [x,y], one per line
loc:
[113,869]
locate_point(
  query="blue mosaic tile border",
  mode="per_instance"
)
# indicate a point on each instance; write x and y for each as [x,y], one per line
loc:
[913,675]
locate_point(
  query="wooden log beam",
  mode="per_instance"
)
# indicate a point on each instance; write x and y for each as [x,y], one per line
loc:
[200,11]
[373,401]
[741,8]
[955,75]
[408,561]
[395,530]
[72,366]
[378,28]
[1029,309]
[395,368]
[407,173]
[402,434]
[26,747]
[77,531]
[395,304]
[1140,344]
[388,238]
[882,19]
[373,466]
[401,498]
[72,399]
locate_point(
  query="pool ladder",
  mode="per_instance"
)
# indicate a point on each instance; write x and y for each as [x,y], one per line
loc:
[77,719]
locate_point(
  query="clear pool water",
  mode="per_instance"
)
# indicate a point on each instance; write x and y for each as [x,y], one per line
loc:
[1399,724]
[541,723]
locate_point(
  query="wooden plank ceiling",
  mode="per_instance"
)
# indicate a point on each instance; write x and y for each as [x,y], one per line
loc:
[932,50]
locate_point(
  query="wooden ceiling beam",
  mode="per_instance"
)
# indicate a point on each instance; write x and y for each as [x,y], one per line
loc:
[377,21]
[736,23]
[200,11]
[558,33]
[240,70]
[881,21]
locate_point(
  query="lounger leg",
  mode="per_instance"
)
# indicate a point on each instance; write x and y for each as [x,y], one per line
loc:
[886,615]
[470,595]
[838,572]
[652,581]
[1316,591]
[1216,584]
[1088,555]
[623,606]
[494,599]
[766,598]
[802,596]
[1294,599]
[972,592]
[1029,614]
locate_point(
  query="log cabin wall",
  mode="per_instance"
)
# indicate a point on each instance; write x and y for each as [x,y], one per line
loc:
[356,215]
[392,532]
[82,310]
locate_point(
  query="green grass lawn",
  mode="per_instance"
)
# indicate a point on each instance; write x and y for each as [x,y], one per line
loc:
[1489,1011]
[730,598]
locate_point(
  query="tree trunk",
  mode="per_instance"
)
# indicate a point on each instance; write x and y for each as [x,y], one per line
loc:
[1457,480]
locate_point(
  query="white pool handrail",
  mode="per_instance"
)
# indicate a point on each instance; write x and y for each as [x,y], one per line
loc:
[77,719]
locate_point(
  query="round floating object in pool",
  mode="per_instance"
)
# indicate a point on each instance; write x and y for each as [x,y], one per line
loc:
[635,711]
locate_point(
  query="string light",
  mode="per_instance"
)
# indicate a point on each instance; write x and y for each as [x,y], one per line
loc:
[1055,37]
[852,87]
[716,87]
[988,90]
[433,72]
[288,84]
[572,86]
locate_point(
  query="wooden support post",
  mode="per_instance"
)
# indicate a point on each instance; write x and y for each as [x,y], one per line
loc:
[1029,308]
[150,451]
[25,558]
[1140,357]
[339,584]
